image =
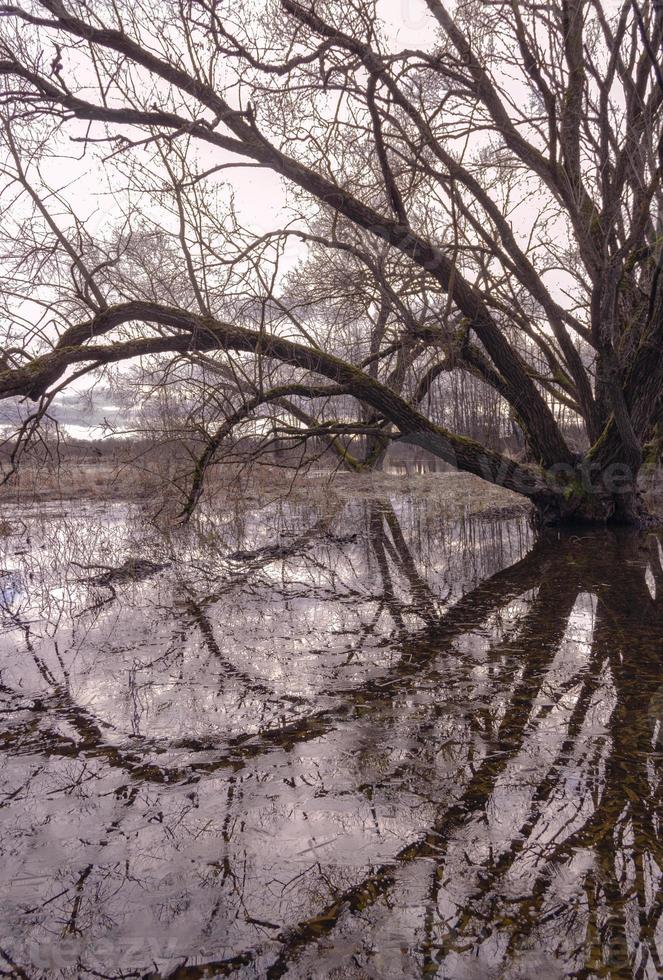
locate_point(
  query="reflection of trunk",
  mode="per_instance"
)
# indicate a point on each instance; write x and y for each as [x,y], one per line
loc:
[622,826]
[614,784]
[627,637]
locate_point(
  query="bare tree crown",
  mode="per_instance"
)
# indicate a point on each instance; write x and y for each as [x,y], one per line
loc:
[486,203]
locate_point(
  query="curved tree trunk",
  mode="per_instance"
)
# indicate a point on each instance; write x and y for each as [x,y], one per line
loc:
[591,490]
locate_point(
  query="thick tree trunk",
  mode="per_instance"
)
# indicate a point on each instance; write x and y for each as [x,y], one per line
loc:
[597,502]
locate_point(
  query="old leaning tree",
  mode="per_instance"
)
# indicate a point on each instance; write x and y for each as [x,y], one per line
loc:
[468,188]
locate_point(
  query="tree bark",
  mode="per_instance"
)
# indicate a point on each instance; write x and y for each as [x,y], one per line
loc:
[561,494]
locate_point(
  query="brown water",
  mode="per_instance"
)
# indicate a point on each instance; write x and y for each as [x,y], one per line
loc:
[329,740]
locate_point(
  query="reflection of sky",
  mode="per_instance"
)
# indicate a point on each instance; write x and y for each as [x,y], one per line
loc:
[202,757]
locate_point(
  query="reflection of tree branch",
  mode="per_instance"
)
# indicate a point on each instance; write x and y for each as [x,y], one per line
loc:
[425,599]
[251,683]
[17,970]
[379,550]
[625,620]
[541,796]
[72,924]
[217,968]
[546,622]
[468,613]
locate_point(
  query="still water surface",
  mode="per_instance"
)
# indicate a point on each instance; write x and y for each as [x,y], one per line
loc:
[329,740]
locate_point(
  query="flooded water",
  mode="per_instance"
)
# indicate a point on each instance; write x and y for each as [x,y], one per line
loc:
[328,739]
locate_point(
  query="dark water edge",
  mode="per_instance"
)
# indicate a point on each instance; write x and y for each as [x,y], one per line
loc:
[329,738]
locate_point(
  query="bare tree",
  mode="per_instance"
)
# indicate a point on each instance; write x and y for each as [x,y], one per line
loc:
[499,187]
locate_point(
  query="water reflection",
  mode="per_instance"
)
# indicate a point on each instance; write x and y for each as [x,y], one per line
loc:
[329,739]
